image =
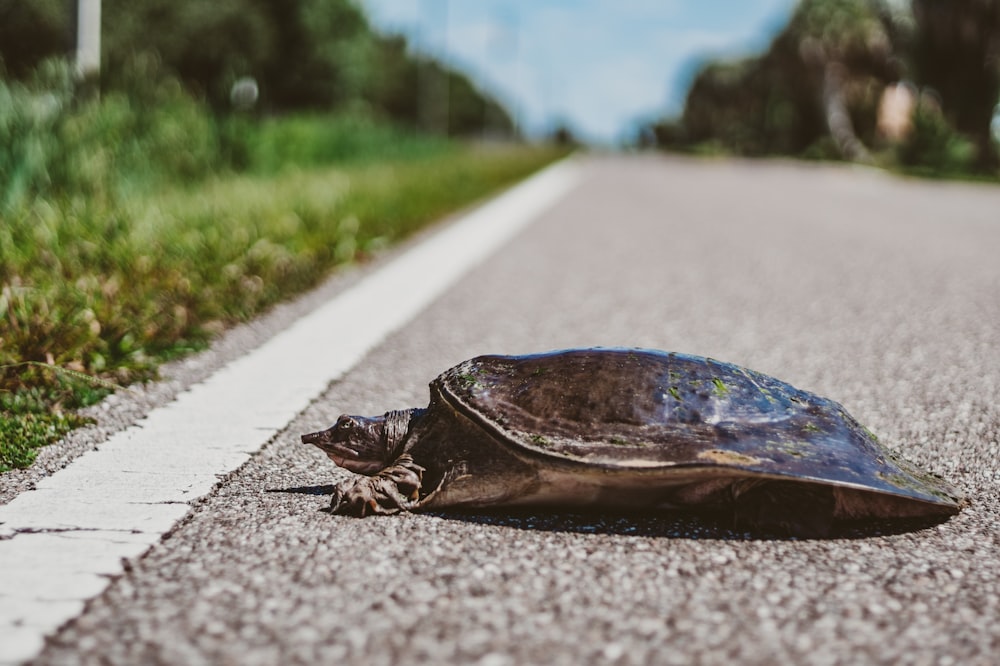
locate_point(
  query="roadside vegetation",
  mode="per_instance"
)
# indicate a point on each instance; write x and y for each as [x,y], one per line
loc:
[908,86]
[138,224]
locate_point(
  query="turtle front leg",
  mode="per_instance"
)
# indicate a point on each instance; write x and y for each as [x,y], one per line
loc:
[396,488]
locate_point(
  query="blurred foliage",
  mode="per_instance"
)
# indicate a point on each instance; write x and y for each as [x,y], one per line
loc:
[31,32]
[110,287]
[303,54]
[933,147]
[409,88]
[815,92]
[148,130]
[137,223]
[304,140]
[775,103]
[957,53]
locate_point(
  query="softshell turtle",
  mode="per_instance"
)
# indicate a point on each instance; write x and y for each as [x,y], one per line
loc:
[627,428]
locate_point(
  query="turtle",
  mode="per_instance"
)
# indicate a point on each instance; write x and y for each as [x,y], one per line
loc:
[621,428]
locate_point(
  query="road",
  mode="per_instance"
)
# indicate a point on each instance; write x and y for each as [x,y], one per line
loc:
[881,293]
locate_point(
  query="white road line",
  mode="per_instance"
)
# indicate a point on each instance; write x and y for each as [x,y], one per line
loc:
[60,542]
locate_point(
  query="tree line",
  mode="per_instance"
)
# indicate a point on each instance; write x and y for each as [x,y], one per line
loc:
[301,54]
[827,84]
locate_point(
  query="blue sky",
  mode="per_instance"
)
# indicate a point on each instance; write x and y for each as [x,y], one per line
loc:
[601,65]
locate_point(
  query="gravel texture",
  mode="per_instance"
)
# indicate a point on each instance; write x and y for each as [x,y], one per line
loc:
[883,294]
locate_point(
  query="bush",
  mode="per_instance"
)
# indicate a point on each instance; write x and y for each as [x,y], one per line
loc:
[112,289]
[319,140]
[29,117]
[933,148]
[118,251]
[56,144]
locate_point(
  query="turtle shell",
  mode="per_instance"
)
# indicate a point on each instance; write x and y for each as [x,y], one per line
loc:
[634,409]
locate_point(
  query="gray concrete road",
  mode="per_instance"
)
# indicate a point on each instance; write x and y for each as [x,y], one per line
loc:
[881,293]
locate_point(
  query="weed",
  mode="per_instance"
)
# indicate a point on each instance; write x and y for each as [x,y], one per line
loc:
[109,291]
[126,240]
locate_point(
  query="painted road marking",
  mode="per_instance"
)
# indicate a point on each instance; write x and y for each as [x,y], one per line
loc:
[60,543]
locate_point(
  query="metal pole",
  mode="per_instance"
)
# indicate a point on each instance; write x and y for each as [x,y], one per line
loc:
[433,86]
[446,88]
[88,38]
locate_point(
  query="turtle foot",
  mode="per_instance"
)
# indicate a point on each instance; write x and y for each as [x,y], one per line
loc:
[396,488]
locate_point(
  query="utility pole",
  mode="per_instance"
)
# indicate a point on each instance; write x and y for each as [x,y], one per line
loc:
[88,39]
[433,93]
[445,109]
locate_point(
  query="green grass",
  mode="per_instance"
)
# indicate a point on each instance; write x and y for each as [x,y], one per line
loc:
[274,144]
[136,225]
[111,287]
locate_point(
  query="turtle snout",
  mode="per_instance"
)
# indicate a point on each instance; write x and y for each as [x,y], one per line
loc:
[327,442]
[313,437]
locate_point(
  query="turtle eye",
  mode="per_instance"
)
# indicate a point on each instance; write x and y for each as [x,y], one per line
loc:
[345,423]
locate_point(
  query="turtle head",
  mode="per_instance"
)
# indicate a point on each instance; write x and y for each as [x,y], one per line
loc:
[354,443]
[363,444]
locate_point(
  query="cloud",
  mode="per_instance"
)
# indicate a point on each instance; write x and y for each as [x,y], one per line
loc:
[597,63]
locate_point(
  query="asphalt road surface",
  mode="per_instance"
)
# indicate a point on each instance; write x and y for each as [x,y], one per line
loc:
[881,293]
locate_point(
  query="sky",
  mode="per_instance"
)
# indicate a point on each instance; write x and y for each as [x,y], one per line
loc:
[599,66]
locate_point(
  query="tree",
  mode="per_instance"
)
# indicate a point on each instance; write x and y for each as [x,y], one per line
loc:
[31,32]
[957,52]
[302,54]
[820,78]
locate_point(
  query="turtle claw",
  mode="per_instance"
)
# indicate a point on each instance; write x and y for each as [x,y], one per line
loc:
[396,488]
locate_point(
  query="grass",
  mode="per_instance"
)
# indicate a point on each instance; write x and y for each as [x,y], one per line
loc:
[137,225]
[112,292]
[312,140]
